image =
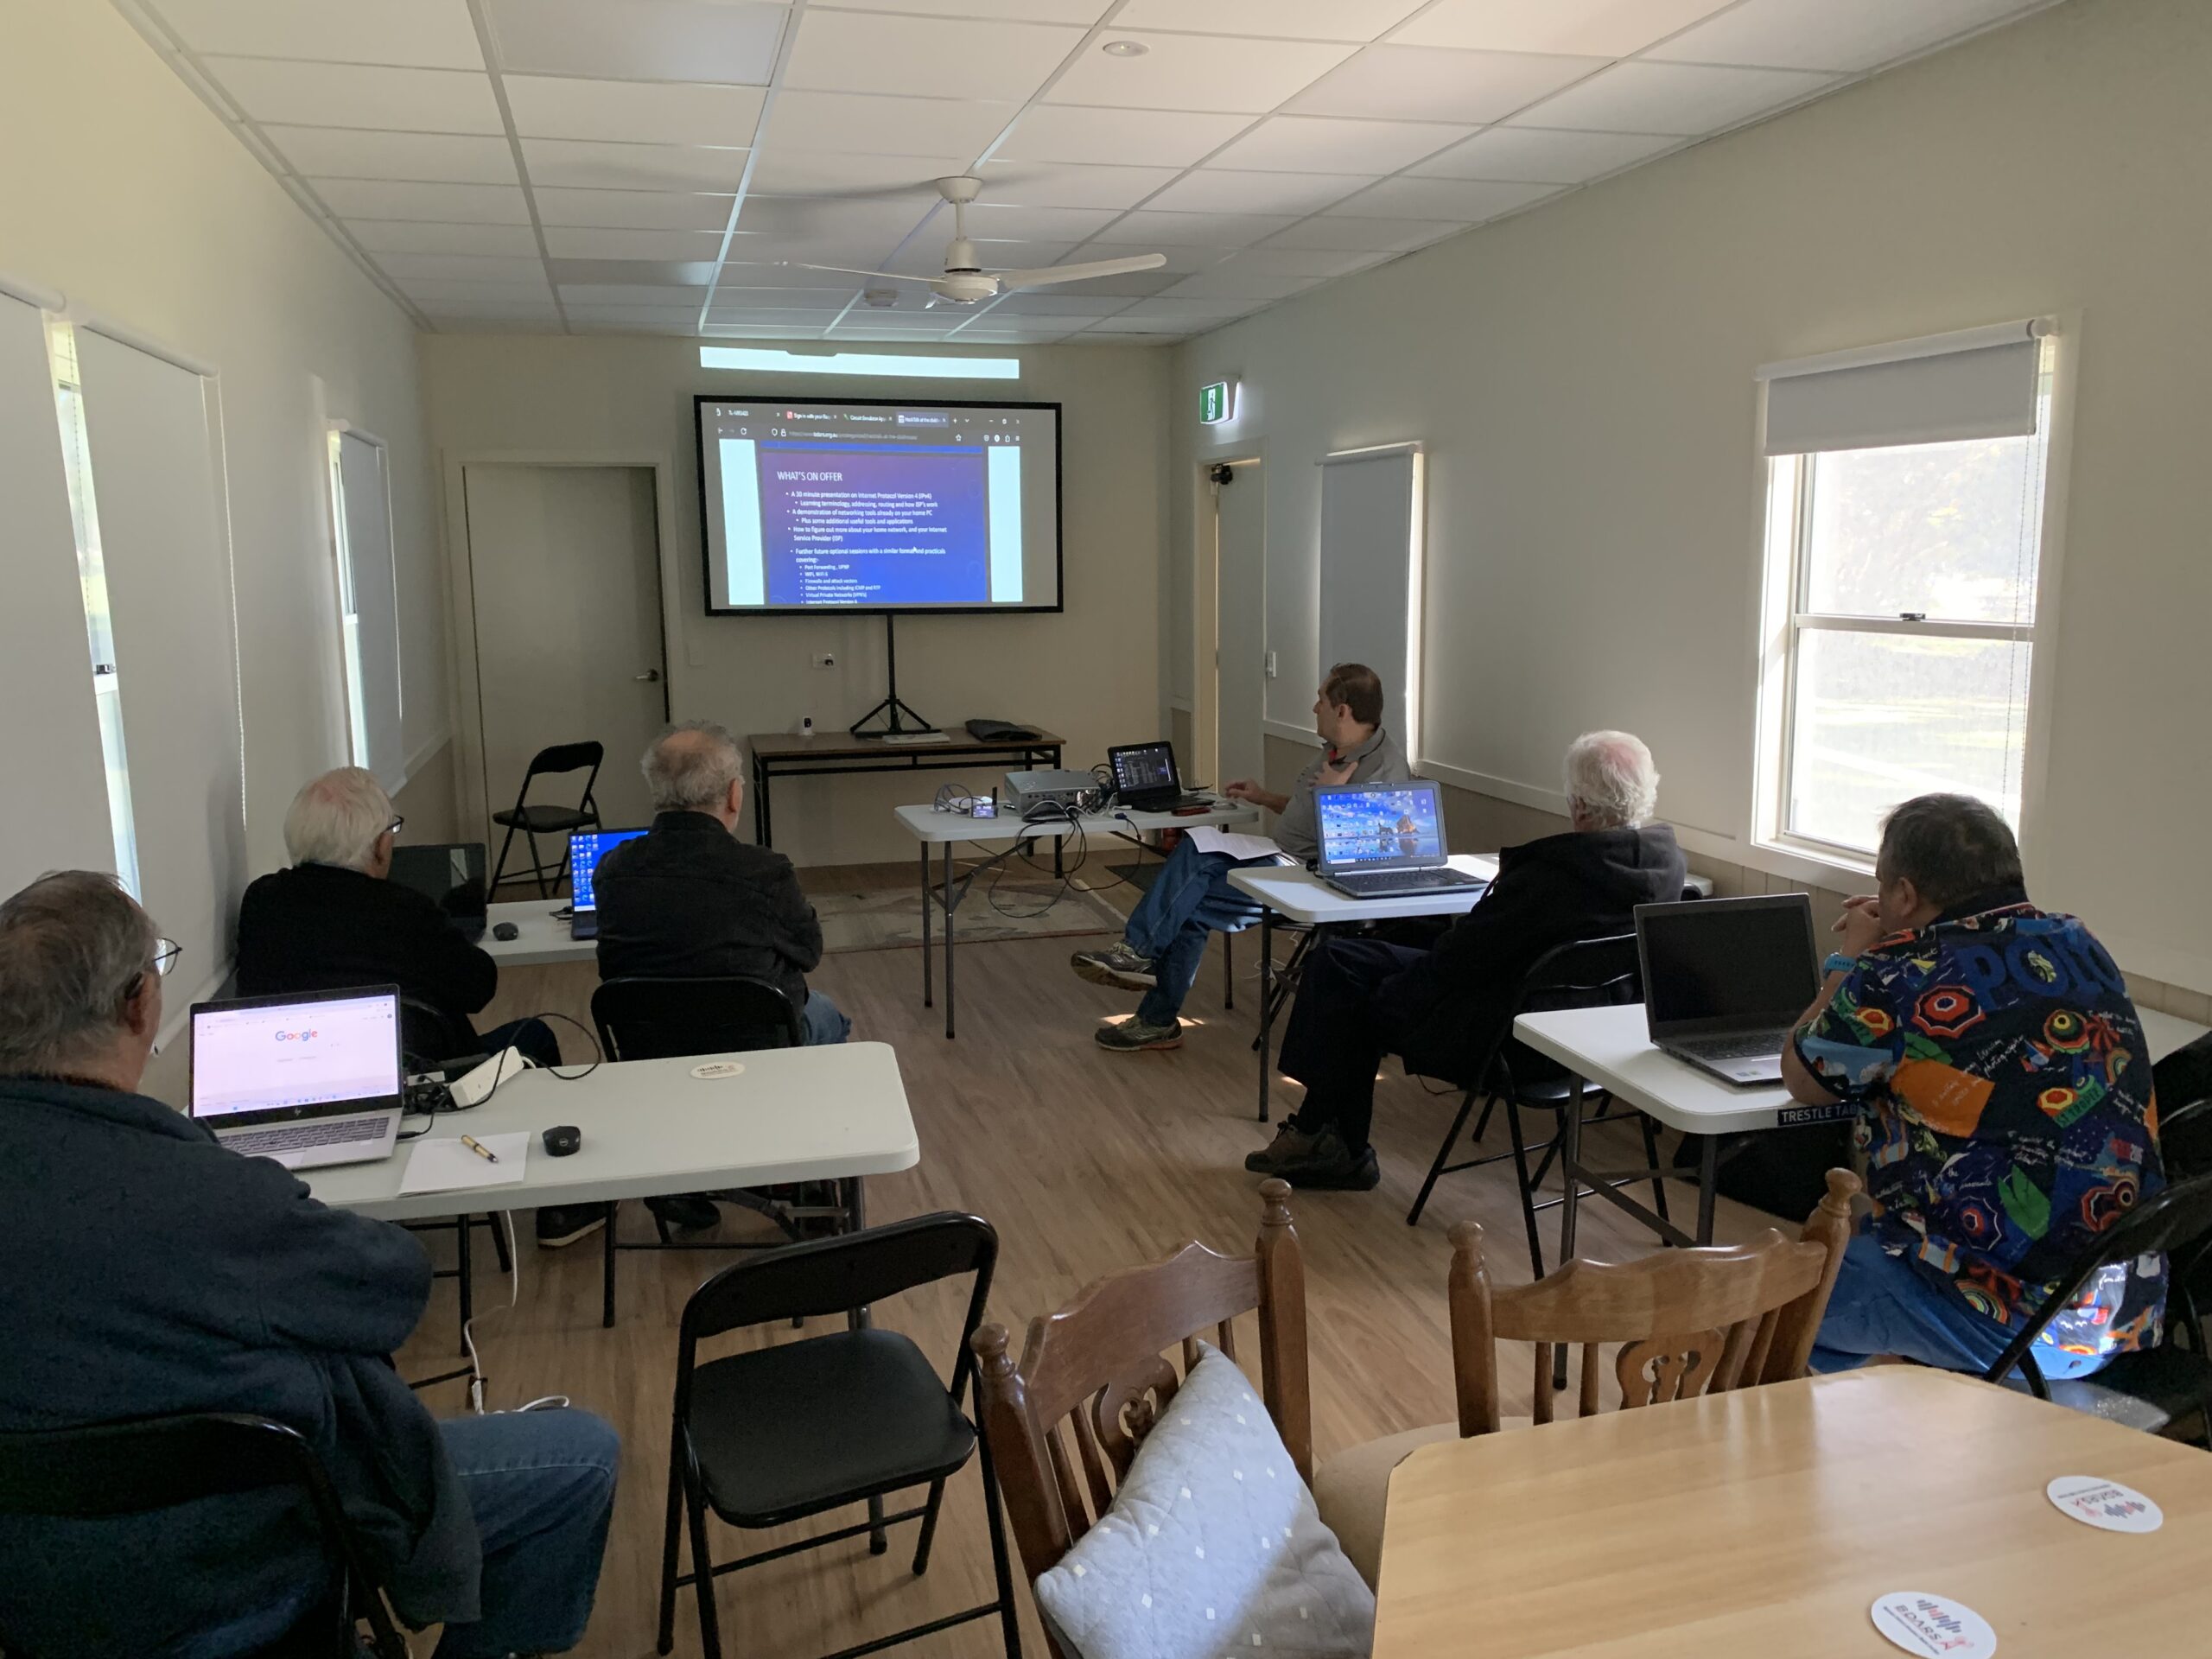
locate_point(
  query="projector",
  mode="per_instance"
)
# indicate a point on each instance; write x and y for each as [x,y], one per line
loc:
[1076,790]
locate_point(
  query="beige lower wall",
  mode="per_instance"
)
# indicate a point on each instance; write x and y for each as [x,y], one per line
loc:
[1482,823]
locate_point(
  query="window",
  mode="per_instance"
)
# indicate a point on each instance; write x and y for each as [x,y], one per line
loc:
[1905,540]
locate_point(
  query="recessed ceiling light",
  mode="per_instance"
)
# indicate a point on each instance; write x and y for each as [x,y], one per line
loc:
[1125,48]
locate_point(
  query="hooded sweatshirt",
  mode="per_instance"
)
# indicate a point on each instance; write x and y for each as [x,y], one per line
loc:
[1582,885]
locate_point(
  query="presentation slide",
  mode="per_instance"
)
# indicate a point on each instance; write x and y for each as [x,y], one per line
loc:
[874,507]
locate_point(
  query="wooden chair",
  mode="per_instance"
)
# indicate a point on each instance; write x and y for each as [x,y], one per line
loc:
[1100,1362]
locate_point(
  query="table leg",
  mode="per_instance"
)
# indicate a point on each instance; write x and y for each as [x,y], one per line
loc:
[948,941]
[1267,1003]
[607,1274]
[927,1001]
[461,1281]
[1708,1175]
[1570,1169]
[859,1318]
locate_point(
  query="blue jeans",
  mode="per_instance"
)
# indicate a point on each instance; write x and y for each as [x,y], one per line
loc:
[542,1486]
[1189,898]
[822,1020]
[1883,1306]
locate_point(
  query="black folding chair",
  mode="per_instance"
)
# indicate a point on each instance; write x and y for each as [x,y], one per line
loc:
[543,819]
[138,1468]
[2150,1388]
[643,1019]
[774,1435]
[1588,973]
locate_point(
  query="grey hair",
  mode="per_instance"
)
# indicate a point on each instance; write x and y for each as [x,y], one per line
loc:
[74,945]
[691,766]
[336,818]
[1610,775]
[1950,846]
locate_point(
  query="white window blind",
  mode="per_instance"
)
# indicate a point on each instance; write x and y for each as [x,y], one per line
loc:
[1371,578]
[49,731]
[370,603]
[168,575]
[1980,383]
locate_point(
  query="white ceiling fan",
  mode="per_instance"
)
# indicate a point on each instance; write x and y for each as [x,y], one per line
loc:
[966,283]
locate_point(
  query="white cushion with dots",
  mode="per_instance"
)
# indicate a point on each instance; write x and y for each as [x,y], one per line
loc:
[1212,1547]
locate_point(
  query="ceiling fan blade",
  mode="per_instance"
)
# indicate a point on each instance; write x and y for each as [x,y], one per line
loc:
[851,270]
[1080,273]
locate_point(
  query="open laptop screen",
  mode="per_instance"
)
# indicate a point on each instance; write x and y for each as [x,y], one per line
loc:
[1712,964]
[450,874]
[584,853]
[1144,769]
[271,1057]
[1371,826]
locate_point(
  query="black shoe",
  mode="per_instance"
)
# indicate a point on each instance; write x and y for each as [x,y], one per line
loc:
[1332,1165]
[560,1225]
[685,1211]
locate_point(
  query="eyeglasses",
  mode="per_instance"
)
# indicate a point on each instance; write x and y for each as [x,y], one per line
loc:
[392,829]
[166,951]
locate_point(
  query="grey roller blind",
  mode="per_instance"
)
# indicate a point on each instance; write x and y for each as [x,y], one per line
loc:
[1371,574]
[1979,383]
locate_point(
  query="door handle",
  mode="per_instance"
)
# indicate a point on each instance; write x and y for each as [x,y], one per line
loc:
[651,676]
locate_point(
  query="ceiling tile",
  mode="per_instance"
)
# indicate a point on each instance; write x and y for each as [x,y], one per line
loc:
[1129,285]
[356,95]
[563,242]
[582,163]
[1220,190]
[1281,20]
[1605,28]
[1229,281]
[1161,328]
[729,298]
[400,236]
[431,290]
[854,52]
[655,314]
[408,268]
[1686,98]
[632,111]
[886,127]
[1077,301]
[725,331]
[1422,83]
[1339,231]
[764,318]
[432,33]
[785,172]
[762,274]
[1012,222]
[515,308]
[1539,155]
[1313,144]
[1198,229]
[666,273]
[1306,262]
[1467,201]
[1061,132]
[1197,72]
[439,157]
[732,42]
[632,294]
[1180,261]
[1085,12]
[1187,310]
[467,204]
[1043,184]
[632,210]
[1820,35]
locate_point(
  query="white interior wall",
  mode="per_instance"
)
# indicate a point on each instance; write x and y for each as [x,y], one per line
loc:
[1580,377]
[1091,673]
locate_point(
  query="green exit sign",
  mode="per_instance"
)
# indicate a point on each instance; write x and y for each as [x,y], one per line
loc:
[1216,402]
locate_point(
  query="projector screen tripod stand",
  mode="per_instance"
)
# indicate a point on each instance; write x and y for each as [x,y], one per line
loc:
[891,709]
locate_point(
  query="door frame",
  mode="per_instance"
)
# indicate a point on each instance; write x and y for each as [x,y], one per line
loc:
[473,790]
[1206,601]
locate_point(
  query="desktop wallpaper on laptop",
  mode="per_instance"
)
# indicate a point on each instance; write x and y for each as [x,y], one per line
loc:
[1361,826]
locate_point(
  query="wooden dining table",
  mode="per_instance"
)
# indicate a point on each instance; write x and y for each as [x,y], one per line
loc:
[1763,1523]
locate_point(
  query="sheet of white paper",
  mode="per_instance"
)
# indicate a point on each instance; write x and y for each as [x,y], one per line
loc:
[441,1165]
[1207,839]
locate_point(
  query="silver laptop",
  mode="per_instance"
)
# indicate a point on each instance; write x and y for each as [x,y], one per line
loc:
[1386,841]
[1726,980]
[308,1079]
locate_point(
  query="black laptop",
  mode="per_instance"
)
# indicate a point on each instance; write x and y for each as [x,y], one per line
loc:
[452,875]
[1146,779]
[1726,980]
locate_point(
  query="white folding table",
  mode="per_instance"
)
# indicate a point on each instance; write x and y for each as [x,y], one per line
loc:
[541,936]
[650,1127]
[931,828]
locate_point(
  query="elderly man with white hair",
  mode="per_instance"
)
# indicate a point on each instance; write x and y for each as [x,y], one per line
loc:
[1360,999]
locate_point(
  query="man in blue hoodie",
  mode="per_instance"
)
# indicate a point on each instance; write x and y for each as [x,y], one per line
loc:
[152,1272]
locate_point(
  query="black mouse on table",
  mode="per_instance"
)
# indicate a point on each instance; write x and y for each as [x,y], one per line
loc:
[506,930]
[562,1139]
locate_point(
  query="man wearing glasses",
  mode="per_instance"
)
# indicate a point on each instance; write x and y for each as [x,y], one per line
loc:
[152,1272]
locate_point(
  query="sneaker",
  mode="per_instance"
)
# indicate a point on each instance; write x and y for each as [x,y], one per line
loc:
[1117,965]
[1129,1035]
[1331,1166]
[685,1211]
[560,1225]
[1290,1146]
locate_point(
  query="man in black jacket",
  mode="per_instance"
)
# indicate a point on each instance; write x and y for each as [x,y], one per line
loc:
[1360,999]
[152,1272]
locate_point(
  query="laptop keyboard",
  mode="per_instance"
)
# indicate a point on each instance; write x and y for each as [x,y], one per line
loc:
[298,1137]
[1364,882]
[1738,1048]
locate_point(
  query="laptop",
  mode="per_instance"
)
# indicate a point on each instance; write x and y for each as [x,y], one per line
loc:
[1726,980]
[1146,779]
[451,876]
[585,850]
[308,1079]
[1386,841]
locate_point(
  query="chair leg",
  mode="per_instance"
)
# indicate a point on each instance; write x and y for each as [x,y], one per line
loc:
[461,1278]
[1229,973]
[702,1573]
[1527,1188]
[499,1244]
[1443,1151]
[537,865]
[499,868]
[1009,1619]
[878,1541]
[929,1528]
[1482,1123]
[1651,1155]
[607,1271]
[668,1543]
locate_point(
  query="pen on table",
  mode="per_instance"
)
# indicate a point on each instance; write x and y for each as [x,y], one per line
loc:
[479,1149]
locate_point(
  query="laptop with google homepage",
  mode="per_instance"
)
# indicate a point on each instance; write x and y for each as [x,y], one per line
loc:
[585,850]
[1726,980]
[1386,841]
[306,1079]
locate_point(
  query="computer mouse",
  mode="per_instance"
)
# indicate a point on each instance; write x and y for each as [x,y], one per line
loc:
[506,930]
[562,1139]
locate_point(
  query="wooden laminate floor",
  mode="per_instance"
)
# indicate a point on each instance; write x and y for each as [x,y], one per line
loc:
[1084,1161]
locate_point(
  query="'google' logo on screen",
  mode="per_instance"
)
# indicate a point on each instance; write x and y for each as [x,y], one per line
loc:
[306,1036]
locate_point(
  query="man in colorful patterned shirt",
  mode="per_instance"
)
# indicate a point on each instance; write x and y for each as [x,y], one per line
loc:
[2004,1106]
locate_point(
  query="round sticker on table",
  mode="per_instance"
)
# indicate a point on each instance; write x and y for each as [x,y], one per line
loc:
[2105,1504]
[1933,1626]
[717,1068]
